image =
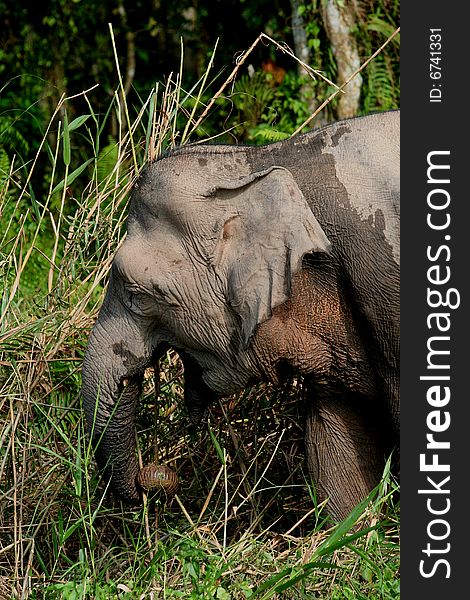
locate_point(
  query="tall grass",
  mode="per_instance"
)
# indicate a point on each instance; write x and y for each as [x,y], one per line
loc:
[246,524]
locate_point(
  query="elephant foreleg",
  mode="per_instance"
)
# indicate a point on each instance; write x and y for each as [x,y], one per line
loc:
[344,455]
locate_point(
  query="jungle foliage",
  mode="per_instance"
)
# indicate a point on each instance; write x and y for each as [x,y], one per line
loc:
[68,49]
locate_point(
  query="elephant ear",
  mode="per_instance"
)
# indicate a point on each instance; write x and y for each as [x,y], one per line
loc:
[262,243]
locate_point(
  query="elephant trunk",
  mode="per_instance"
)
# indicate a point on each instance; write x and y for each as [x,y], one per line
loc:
[112,375]
[117,355]
[111,389]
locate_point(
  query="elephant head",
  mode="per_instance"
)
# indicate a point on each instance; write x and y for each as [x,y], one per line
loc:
[212,248]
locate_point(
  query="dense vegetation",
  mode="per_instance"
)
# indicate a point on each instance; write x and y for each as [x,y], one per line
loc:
[247,524]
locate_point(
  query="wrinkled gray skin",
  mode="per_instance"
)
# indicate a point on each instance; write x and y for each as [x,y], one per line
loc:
[253,262]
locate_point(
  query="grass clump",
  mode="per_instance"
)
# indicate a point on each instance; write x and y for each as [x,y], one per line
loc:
[247,523]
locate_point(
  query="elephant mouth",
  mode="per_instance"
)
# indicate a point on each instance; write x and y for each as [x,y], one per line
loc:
[150,372]
[141,374]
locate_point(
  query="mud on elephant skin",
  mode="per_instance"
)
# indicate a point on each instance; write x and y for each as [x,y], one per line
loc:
[248,260]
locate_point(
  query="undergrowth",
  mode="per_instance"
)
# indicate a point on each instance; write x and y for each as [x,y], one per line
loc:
[246,523]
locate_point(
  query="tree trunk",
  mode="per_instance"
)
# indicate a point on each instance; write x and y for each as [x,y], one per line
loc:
[299,33]
[339,22]
[302,52]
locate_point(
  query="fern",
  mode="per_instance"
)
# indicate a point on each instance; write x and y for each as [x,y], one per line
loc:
[106,160]
[266,134]
[380,91]
[4,165]
[379,25]
[11,138]
[251,96]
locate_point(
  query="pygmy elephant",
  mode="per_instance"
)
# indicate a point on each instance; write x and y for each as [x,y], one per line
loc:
[255,262]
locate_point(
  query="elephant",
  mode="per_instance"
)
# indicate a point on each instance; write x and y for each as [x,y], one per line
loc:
[254,263]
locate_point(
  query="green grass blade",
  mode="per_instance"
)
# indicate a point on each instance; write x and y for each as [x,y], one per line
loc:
[78,122]
[72,176]
[337,539]
[217,446]
[66,148]
[276,584]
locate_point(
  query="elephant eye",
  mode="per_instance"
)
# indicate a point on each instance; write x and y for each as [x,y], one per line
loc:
[139,302]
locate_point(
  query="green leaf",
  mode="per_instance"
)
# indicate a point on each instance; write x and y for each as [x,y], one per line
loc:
[72,176]
[78,122]
[276,584]
[304,571]
[106,160]
[217,447]
[68,127]
[78,470]
[222,594]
